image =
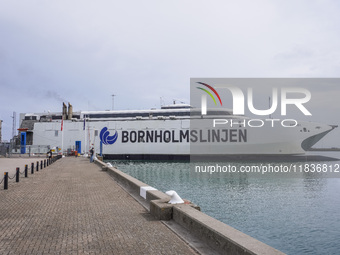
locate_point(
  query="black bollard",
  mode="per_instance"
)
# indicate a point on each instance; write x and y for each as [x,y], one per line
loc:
[32,168]
[41,164]
[17,175]
[44,163]
[47,161]
[6,180]
[37,166]
[26,168]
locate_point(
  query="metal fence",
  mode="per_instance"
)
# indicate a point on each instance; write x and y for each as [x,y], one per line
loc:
[9,150]
[4,149]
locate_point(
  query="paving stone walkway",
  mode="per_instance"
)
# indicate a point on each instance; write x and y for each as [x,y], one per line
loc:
[72,207]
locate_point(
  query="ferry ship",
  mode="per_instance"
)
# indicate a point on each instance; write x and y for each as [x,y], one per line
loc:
[173,132]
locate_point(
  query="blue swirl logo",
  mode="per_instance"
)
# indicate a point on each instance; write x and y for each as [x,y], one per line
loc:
[105,138]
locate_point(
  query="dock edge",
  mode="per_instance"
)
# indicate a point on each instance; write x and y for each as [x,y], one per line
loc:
[217,235]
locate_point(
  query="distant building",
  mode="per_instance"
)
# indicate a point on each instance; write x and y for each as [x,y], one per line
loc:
[0,131]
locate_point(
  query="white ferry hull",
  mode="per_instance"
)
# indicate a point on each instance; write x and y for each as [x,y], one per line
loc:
[174,139]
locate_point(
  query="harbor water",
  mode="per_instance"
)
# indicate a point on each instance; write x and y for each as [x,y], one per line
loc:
[299,215]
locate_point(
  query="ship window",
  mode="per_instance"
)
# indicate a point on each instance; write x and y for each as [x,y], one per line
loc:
[218,113]
[56,133]
[304,129]
[138,114]
[118,115]
[30,117]
[96,133]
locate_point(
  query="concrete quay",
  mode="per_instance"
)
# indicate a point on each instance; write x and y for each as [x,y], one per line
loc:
[206,234]
[10,164]
[73,207]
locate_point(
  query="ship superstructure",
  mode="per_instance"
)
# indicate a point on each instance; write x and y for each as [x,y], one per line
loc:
[171,132]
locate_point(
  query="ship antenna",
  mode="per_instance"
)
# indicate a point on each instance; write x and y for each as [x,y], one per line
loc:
[113,95]
[161,101]
[178,100]
[270,116]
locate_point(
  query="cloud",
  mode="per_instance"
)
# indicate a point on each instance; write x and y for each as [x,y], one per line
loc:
[82,52]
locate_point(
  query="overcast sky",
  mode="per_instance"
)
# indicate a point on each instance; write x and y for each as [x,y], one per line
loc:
[84,51]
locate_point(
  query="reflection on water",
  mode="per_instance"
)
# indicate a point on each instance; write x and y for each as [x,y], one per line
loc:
[294,215]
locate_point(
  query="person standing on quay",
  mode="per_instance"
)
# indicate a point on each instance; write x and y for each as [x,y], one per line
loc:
[92,154]
[49,154]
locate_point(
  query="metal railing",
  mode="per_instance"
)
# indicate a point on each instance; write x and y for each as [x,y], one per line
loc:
[38,166]
[27,150]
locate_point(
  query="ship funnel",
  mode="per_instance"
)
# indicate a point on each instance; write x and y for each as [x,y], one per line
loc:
[70,111]
[175,198]
[64,111]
